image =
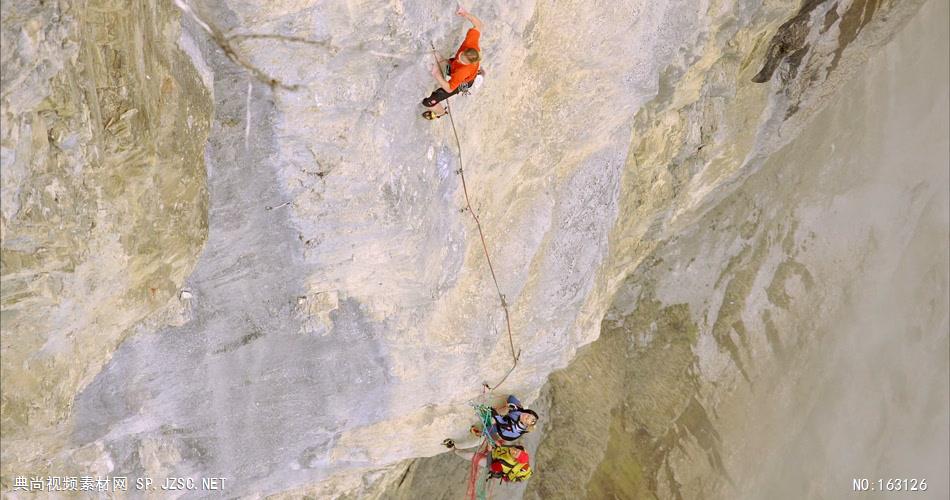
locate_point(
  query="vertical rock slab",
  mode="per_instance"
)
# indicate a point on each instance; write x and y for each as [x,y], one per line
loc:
[791,338]
[104,122]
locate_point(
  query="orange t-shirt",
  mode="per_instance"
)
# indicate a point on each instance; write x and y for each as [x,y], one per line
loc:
[461,73]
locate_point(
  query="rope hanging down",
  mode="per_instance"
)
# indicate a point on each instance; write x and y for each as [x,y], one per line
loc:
[481,234]
[478,487]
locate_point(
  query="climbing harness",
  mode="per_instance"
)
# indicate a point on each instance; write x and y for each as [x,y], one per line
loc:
[476,82]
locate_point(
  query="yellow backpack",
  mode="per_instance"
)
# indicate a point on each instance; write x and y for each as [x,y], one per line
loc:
[510,463]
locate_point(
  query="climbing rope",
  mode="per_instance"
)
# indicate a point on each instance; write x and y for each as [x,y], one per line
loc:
[484,417]
[476,482]
[515,355]
[481,234]
[478,474]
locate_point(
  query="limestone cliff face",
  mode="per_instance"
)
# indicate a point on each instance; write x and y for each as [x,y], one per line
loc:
[767,245]
[770,344]
[104,122]
[759,378]
[340,315]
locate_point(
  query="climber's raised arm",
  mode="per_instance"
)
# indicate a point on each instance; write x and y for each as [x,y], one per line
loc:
[476,22]
[459,73]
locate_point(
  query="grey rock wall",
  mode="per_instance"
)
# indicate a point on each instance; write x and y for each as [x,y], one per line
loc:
[104,122]
[266,275]
[704,380]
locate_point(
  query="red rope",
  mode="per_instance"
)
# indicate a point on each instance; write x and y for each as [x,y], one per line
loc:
[481,234]
[480,453]
[491,268]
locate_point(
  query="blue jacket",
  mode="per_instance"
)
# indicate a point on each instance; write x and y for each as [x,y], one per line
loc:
[509,427]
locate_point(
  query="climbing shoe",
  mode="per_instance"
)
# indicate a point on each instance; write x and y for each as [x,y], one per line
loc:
[430,115]
[448,443]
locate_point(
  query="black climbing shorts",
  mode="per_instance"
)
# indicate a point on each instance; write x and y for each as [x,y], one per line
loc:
[440,95]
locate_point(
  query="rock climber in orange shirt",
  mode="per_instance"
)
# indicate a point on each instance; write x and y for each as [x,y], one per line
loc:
[462,69]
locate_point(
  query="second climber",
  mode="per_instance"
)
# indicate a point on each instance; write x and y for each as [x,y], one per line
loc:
[510,421]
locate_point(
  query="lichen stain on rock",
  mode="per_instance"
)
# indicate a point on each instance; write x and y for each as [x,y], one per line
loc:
[729,325]
[644,394]
[105,205]
[858,15]
[789,39]
[772,334]
[791,47]
[777,292]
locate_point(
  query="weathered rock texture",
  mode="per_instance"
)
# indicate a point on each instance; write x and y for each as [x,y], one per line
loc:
[715,350]
[639,191]
[817,348]
[104,123]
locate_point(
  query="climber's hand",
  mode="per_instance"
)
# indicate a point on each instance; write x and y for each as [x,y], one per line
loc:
[461,12]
